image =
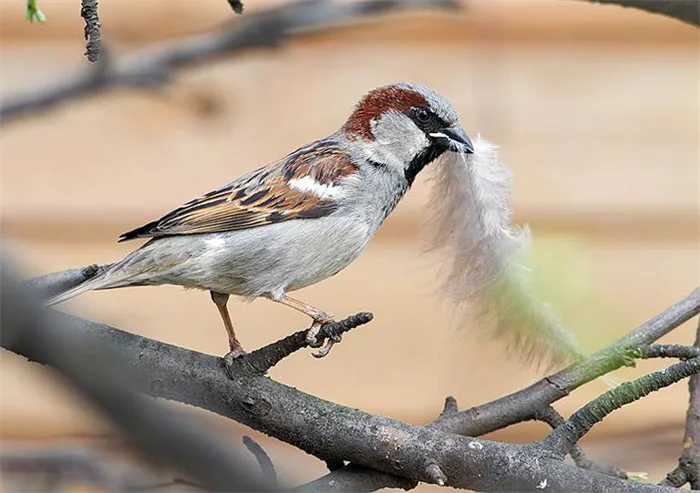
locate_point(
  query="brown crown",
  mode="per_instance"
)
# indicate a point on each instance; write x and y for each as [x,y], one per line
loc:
[376,103]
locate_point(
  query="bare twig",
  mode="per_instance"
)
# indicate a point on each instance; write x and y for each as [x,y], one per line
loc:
[93,30]
[550,416]
[156,65]
[450,406]
[670,351]
[688,470]
[261,360]
[565,436]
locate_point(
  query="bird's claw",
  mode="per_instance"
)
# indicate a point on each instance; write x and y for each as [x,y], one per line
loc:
[231,356]
[316,339]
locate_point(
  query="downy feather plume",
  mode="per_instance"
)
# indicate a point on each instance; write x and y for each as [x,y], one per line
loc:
[485,275]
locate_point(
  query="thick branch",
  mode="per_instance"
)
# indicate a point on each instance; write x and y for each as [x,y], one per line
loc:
[565,436]
[540,394]
[523,404]
[332,431]
[687,11]
[155,66]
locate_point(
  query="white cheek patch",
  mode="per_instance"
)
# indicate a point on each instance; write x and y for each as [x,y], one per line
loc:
[397,140]
[307,184]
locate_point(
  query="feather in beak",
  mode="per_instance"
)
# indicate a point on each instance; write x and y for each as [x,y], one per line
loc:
[485,258]
[454,139]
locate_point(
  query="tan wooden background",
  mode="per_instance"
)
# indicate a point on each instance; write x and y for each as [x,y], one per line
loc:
[596,109]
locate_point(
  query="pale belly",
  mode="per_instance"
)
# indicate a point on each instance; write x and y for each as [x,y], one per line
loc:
[268,260]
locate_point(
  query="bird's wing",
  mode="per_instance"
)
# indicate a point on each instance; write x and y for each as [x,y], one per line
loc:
[303,185]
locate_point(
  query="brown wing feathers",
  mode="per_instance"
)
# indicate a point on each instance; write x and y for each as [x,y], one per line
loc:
[259,198]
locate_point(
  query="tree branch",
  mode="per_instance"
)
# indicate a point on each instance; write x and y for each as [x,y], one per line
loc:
[156,65]
[523,404]
[267,467]
[93,30]
[57,282]
[92,369]
[550,416]
[688,470]
[329,430]
[565,436]
[258,362]
[687,11]
[163,359]
[520,405]
[72,463]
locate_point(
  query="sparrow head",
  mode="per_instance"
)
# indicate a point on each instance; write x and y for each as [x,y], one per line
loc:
[405,127]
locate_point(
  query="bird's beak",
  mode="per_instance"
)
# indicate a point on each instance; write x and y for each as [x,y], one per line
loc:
[454,138]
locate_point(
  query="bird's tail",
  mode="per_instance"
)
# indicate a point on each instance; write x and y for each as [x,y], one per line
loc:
[110,278]
[486,273]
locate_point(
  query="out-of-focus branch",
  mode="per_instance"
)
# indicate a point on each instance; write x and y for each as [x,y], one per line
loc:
[688,470]
[93,369]
[267,467]
[70,463]
[236,5]
[687,11]
[156,65]
[57,282]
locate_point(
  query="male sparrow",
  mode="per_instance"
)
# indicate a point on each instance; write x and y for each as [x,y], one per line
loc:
[296,221]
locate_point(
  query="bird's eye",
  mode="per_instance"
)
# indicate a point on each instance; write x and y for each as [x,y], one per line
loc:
[422,115]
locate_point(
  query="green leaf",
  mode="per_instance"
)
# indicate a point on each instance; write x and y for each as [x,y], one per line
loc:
[32,13]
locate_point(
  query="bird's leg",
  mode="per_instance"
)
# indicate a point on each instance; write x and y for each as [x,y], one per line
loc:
[236,350]
[319,317]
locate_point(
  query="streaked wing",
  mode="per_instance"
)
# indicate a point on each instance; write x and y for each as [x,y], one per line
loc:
[303,185]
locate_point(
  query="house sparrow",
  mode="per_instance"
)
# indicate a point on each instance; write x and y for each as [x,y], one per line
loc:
[299,220]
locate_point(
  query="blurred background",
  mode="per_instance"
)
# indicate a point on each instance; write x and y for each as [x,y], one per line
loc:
[596,109]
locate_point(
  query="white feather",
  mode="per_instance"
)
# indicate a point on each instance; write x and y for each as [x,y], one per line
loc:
[307,184]
[485,271]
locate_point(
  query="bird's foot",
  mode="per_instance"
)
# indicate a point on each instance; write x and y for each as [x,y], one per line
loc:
[322,334]
[233,354]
